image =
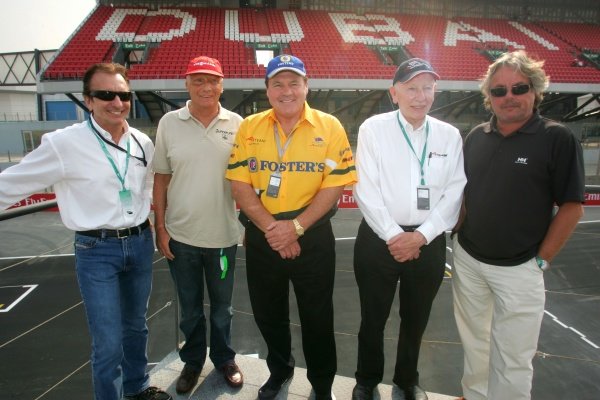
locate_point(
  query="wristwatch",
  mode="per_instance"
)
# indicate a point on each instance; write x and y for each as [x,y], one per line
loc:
[543,264]
[299,228]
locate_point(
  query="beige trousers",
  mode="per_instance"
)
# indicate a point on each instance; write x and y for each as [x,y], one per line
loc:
[498,313]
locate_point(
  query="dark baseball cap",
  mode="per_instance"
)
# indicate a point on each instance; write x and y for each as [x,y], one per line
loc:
[411,68]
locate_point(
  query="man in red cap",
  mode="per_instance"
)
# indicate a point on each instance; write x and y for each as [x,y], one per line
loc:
[195,219]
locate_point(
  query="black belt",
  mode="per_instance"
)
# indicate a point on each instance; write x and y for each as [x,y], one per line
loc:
[117,233]
[411,228]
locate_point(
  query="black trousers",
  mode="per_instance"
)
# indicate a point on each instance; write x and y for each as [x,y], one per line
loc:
[312,275]
[377,275]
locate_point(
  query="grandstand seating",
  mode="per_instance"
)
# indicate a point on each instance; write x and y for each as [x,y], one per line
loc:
[332,44]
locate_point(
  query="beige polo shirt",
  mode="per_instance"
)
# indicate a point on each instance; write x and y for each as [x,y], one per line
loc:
[200,210]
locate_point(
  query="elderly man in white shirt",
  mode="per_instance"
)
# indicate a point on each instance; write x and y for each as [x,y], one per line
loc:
[410,184]
[100,170]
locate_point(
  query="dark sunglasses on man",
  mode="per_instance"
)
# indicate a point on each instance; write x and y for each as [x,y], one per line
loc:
[109,95]
[517,90]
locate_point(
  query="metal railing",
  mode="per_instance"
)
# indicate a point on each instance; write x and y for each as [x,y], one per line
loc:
[30,209]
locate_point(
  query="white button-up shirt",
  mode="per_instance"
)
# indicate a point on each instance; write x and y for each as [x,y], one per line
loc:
[389,174]
[86,186]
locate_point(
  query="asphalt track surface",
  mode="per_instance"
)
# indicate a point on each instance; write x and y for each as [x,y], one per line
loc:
[44,343]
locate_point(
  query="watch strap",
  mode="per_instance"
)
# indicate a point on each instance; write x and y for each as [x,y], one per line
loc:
[298,227]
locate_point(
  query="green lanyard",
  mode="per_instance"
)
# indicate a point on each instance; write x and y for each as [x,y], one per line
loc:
[112,161]
[422,159]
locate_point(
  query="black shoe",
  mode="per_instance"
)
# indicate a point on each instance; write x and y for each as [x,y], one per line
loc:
[362,392]
[187,379]
[152,393]
[412,393]
[272,386]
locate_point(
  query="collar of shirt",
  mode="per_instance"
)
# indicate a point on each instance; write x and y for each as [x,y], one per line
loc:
[307,115]
[530,127]
[416,136]
[107,135]
[408,126]
[184,112]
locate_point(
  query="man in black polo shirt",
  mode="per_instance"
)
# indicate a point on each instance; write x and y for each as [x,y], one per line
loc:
[518,166]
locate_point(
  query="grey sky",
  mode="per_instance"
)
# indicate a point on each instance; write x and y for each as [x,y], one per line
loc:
[41,24]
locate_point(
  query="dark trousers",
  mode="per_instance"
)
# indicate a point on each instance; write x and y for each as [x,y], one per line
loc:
[377,275]
[312,275]
[190,269]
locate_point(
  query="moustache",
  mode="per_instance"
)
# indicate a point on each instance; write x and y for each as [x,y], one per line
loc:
[511,103]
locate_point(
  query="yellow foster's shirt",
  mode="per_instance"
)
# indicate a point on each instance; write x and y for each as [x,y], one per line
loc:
[318,156]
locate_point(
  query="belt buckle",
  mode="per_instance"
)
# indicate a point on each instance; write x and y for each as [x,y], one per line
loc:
[127,232]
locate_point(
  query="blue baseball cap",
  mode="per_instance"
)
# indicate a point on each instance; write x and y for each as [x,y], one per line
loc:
[285,62]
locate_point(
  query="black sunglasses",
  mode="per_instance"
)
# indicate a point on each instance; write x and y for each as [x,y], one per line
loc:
[108,95]
[517,90]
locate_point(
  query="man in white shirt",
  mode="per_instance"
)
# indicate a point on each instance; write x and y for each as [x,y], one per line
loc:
[100,172]
[410,184]
[196,224]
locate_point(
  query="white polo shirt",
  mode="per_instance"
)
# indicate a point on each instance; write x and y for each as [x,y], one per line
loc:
[200,209]
[86,186]
[389,174]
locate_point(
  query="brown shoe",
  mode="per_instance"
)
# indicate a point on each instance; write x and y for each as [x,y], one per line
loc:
[232,374]
[187,379]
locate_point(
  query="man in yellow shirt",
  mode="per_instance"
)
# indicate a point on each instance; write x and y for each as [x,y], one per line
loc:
[288,168]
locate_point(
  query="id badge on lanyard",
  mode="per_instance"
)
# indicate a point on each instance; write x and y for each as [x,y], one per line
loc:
[423,195]
[275,178]
[422,198]
[274,184]
[125,196]
[126,200]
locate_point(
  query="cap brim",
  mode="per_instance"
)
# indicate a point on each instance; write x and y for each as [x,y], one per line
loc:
[204,71]
[411,76]
[281,69]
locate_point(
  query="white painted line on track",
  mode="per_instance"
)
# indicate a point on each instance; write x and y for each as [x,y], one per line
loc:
[39,256]
[73,254]
[62,380]
[21,297]
[581,335]
[590,342]
[40,325]
[559,322]
[576,331]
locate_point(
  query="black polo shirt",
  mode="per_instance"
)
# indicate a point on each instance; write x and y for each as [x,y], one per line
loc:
[512,185]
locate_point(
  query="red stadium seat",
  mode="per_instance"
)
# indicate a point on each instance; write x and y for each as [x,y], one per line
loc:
[331,44]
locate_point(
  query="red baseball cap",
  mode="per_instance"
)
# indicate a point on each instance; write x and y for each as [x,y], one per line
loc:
[204,65]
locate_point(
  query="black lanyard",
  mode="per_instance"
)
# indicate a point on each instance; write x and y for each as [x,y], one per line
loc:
[116,146]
